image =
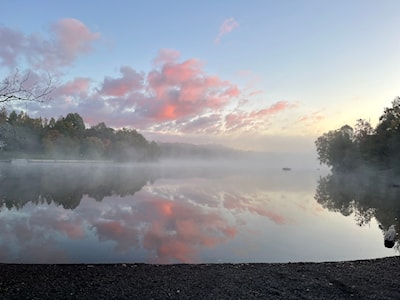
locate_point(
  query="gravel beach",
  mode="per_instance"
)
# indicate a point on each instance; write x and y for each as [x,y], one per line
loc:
[363,279]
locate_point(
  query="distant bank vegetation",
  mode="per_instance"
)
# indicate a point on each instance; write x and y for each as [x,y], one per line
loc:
[349,149]
[67,137]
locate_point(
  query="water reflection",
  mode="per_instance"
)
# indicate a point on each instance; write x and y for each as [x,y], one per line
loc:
[169,213]
[66,184]
[366,194]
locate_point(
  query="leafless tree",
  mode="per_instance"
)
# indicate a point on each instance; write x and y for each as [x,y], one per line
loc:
[20,87]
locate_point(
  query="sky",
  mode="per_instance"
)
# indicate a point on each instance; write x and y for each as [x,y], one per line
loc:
[254,75]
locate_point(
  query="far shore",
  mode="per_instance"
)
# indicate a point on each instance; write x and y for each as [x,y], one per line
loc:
[21,161]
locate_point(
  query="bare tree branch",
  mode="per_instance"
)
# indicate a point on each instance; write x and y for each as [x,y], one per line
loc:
[19,87]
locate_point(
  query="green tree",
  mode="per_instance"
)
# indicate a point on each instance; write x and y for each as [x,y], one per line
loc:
[71,126]
[388,136]
[101,131]
[337,149]
[390,120]
[68,138]
[105,134]
[380,147]
[129,145]
[92,147]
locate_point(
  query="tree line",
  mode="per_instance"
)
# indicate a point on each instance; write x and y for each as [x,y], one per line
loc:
[68,138]
[365,163]
[348,148]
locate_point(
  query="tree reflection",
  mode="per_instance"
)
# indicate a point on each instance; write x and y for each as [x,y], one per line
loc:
[65,185]
[365,194]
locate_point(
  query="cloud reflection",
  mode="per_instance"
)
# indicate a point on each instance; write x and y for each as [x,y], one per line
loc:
[170,221]
[170,230]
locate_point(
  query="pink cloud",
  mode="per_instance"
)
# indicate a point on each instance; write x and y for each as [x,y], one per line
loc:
[12,44]
[35,233]
[171,231]
[182,90]
[273,109]
[240,119]
[111,228]
[227,26]
[175,96]
[119,87]
[166,56]
[177,73]
[241,204]
[178,229]
[312,118]
[69,38]
[254,93]
[73,38]
[126,236]
[78,86]
[235,120]
[181,252]
[207,125]
[72,230]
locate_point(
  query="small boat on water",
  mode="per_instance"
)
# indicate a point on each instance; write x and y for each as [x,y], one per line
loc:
[286,169]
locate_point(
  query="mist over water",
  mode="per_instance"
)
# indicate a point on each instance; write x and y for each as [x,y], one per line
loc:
[182,211]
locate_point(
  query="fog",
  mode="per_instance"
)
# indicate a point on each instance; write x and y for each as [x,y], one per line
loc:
[249,161]
[246,209]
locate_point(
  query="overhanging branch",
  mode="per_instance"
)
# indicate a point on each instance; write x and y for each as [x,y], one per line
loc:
[18,88]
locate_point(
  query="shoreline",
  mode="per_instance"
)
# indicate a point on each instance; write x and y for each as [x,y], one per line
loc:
[358,279]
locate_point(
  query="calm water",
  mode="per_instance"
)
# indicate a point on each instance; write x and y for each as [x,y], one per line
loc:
[191,213]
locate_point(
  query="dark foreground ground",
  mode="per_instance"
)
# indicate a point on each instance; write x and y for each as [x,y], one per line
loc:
[365,279]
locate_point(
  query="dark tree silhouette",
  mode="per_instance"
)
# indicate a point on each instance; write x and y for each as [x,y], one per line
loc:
[21,87]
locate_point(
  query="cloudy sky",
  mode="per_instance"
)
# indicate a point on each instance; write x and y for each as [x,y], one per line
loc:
[260,75]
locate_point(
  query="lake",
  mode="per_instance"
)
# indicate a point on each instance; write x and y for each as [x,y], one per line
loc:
[186,212]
